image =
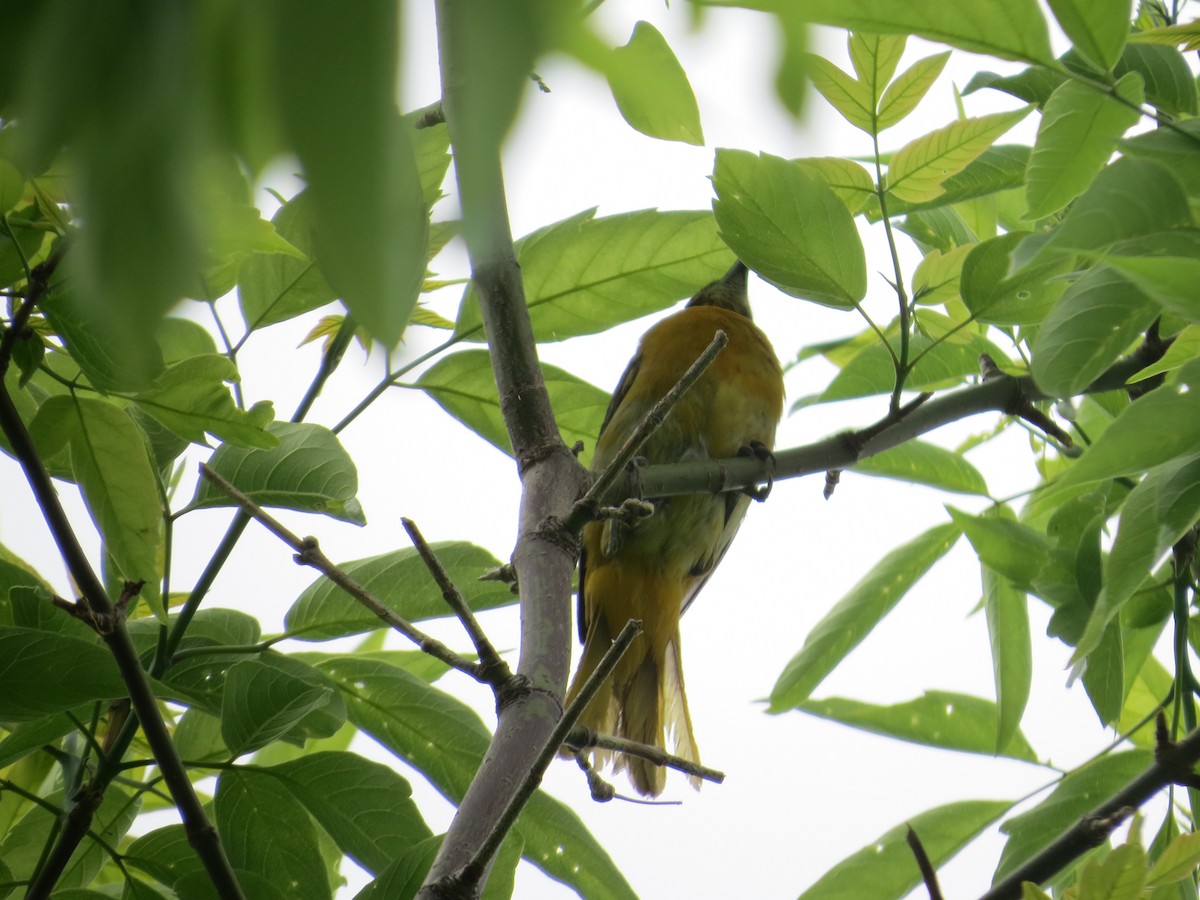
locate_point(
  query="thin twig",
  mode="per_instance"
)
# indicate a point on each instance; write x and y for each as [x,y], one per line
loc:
[586,739]
[493,669]
[473,870]
[584,510]
[308,553]
[928,873]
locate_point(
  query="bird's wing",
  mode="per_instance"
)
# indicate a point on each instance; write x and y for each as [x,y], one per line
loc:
[736,504]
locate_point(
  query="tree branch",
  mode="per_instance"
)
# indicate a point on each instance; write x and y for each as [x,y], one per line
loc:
[308,553]
[1174,764]
[551,478]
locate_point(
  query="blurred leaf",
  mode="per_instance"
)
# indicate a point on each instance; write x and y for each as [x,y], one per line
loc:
[1011,549]
[583,275]
[936,718]
[181,339]
[884,868]
[916,171]
[265,830]
[1169,83]
[1007,612]
[307,470]
[902,97]
[1098,29]
[1186,34]
[1119,876]
[336,77]
[1104,674]
[1079,128]
[22,232]
[1169,276]
[43,673]
[445,740]
[857,613]
[1095,320]
[1175,149]
[789,228]
[463,384]
[1033,85]
[651,88]
[1076,795]
[1183,349]
[400,581]
[191,399]
[925,463]
[1177,862]
[364,806]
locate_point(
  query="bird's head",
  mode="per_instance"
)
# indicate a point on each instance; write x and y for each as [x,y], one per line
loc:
[727,293]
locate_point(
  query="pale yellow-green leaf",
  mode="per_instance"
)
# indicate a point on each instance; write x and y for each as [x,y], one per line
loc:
[1177,862]
[918,169]
[936,277]
[844,177]
[652,89]
[849,97]
[903,95]
[1185,347]
[1187,36]
[423,315]
[875,57]
[1119,876]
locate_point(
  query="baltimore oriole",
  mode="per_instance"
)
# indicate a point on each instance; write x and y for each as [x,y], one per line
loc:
[653,570]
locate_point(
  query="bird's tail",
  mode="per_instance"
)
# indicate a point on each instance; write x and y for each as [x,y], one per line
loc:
[643,701]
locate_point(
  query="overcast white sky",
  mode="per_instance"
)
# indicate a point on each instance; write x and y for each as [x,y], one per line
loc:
[801,793]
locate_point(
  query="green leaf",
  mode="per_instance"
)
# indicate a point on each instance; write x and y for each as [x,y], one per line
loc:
[1097,28]
[884,868]
[789,228]
[1173,148]
[926,463]
[871,371]
[1184,347]
[909,89]
[165,855]
[1076,795]
[1033,85]
[463,384]
[996,169]
[1168,277]
[274,288]
[1011,549]
[938,276]
[265,830]
[1010,29]
[445,740]
[651,88]
[114,471]
[1095,320]
[406,873]
[936,718]
[109,361]
[850,97]
[307,469]
[364,806]
[401,582]
[844,177]
[336,76]
[1160,509]
[584,275]
[995,297]
[1177,862]
[1104,674]
[1007,612]
[852,619]
[1130,198]
[264,701]
[181,339]
[43,673]
[1155,429]
[1079,129]
[1169,83]
[191,399]
[1119,876]
[875,57]
[916,171]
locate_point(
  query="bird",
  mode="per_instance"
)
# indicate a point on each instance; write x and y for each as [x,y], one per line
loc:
[652,570]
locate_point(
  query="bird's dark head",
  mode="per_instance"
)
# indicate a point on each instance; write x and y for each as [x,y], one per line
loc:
[727,293]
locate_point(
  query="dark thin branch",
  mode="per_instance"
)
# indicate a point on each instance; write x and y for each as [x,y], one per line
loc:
[493,669]
[928,872]
[582,739]
[585,509]
[1174,764]
[308,553]
[110,625]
